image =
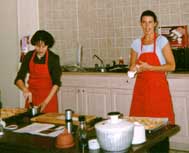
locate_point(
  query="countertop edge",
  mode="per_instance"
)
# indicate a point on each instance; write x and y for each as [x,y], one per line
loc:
[169,75]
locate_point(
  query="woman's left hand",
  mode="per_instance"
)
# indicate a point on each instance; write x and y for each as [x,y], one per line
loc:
[42,106]
[143,66]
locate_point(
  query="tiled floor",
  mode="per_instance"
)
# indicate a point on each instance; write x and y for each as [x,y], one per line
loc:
[178,151]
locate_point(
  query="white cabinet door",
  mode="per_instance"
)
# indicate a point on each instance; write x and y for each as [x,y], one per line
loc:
[121,94]
[121,100]
[180,97]
[181,109]
[91,101]
[81,100]
[69,99]
[97,101]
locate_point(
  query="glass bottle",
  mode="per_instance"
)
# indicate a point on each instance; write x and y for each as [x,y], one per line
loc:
[82,132]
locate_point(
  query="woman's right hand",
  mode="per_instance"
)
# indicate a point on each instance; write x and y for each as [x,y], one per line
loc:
[27,95]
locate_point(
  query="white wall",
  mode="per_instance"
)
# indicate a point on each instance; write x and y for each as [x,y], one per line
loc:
[8,52]
[27,17]
[18,18]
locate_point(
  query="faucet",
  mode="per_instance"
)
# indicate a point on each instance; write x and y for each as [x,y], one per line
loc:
[101,61]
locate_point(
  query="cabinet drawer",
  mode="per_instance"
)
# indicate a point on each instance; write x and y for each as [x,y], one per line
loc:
[86,81]
[178,84]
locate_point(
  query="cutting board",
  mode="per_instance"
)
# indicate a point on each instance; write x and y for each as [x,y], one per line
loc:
[10,112]
[59,118]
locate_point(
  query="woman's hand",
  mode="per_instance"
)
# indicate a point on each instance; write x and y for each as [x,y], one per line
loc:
[48,98]
[143,66]
[27,95]
[42,106]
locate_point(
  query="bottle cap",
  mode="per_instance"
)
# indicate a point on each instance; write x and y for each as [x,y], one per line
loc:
[81,118]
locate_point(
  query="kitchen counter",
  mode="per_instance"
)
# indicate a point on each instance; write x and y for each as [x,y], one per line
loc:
[169,75]
[12,142]
[95,73]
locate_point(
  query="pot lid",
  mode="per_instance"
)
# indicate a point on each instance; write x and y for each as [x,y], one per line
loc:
[113,123]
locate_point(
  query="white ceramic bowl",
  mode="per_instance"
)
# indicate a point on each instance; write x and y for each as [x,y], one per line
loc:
[114,134]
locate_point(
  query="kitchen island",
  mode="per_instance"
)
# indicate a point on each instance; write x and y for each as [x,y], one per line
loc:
[12,142]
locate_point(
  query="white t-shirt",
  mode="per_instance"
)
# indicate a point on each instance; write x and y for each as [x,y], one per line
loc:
[161,41]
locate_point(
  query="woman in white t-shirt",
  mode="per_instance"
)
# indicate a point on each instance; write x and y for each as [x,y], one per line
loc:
[151,56]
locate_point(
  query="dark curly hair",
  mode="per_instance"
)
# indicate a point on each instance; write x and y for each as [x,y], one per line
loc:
[42,35]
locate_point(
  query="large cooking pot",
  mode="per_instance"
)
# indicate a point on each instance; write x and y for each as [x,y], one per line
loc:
[114,134]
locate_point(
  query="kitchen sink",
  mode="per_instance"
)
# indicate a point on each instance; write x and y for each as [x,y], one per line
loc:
[115,68]
[76,68]
[72,68]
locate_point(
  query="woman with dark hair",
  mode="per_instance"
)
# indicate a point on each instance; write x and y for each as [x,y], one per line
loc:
[44,71]
[151,57]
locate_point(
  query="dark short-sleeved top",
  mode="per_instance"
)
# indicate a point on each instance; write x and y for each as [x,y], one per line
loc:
[53,65]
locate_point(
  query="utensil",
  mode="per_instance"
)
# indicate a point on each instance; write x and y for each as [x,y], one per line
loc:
[114,134]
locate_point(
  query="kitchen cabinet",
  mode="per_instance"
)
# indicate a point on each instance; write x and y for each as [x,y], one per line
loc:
[78,94]
[121,100]
[68,99]
[101,93]
[121,94]
[96,101]
[180,97]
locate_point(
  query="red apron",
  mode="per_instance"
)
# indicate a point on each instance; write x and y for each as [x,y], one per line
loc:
[40,84]
[151,96]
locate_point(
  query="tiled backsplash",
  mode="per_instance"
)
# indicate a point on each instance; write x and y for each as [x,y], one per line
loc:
[103,27]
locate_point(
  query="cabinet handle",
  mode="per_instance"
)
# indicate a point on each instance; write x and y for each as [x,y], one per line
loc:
[83,90]
[127,81]
[78,90]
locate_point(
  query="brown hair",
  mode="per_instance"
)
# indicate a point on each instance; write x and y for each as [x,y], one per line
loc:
[149,13]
